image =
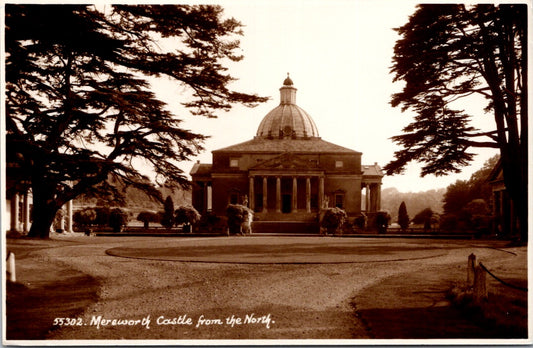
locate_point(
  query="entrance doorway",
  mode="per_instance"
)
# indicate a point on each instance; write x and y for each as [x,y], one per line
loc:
[286,201]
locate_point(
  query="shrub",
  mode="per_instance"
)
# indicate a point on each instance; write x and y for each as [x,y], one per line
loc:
[102,216]
[187,216]
[449,223]
[117,219]
[403,217]
[146,217]
[360,221]
[210,222]
[423,216]
[84,218]
[333,218]
[382,221]
[238,216]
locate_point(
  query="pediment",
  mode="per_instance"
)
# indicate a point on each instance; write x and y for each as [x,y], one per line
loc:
[287,161]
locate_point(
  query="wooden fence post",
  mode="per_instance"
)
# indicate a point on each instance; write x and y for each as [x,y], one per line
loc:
[470,270]
[480,285]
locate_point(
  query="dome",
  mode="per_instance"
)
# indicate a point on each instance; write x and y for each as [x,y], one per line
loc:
[288,81]
[287,120]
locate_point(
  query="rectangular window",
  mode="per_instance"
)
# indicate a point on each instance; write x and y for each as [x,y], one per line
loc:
[339,201]
[339,164]
[234,198]
[234,162]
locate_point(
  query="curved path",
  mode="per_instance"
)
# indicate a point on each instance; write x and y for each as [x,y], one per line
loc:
[285,287]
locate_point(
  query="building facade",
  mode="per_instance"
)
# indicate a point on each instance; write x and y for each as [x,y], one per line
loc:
[503,209]
[287,172]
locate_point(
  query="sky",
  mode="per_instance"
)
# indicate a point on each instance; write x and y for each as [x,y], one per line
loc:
[338,54]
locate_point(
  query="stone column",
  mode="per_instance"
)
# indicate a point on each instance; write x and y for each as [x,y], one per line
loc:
[26,213]
[278,194]
[320,192]
[251,195]
[69,217]
[367,198]
[308,194]
[62,220]
[372,197]
[265,193]
[209,197]
[294,194]
[378,199]
[14,212]
[204,198]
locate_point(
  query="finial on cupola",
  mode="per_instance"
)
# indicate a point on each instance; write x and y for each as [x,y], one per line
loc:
[288,81]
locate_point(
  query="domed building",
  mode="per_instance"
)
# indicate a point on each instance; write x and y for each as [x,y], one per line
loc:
[286,174]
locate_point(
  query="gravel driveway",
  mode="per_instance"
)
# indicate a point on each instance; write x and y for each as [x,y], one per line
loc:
[300,298]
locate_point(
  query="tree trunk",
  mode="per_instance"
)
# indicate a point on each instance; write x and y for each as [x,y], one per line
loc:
[44,210]
[43,217]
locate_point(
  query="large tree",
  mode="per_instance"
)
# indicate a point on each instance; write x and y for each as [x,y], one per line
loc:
[448,54]
[79,99]
[460,193]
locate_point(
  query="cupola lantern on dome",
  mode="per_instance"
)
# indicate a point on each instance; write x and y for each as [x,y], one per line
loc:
[287,120]
[288,81]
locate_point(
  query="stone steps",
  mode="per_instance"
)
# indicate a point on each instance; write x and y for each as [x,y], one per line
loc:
[285,227]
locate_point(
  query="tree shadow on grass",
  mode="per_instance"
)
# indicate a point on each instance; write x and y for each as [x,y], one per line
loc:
[429,323]
[31,310]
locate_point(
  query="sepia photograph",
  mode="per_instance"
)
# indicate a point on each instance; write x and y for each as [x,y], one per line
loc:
[285,172]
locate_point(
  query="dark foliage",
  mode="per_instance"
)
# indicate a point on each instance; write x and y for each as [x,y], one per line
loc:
[187,216]
[237,214]
[454,51]
[461,192]
[79,103]
[403,217]
[117,219]
[167,219]
[146,217]
[333,218]
[382,221]
[84,218]
[423,216]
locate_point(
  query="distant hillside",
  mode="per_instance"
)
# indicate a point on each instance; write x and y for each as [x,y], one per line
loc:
[137,200]
[391,199]
[180,197]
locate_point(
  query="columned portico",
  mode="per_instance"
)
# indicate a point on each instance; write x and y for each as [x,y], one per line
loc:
[294,193]
[20,205]
[372,196]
